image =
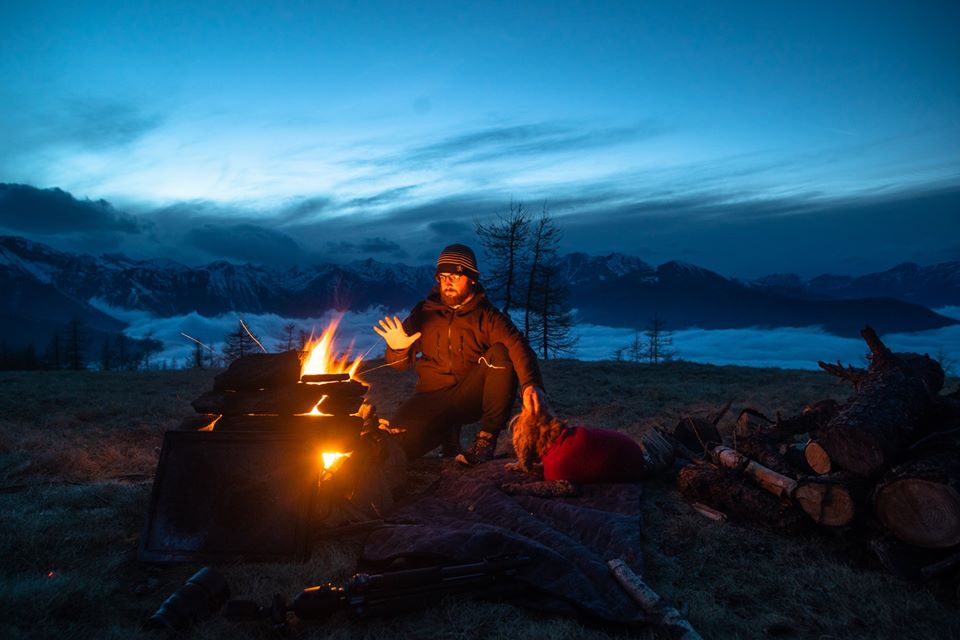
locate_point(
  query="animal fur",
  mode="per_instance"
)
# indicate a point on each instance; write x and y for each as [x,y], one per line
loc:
[533,435]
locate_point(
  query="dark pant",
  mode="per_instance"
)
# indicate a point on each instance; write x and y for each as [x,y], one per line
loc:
[486,394]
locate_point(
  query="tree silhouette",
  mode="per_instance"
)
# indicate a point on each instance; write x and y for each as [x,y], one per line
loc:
[504,243]
[238,343]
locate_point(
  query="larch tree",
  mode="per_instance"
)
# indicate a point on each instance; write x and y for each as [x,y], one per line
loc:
[505,245]
[548,320]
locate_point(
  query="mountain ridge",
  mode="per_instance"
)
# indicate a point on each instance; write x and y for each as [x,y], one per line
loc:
[615,290]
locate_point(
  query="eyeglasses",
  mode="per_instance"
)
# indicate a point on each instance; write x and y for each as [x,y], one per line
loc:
[452,278]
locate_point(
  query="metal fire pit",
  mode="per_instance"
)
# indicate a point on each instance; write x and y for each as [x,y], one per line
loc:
[244,479]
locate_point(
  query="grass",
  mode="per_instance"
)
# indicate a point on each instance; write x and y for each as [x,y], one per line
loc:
[78,451]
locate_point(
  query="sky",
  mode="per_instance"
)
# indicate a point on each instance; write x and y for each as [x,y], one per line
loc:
[745,137]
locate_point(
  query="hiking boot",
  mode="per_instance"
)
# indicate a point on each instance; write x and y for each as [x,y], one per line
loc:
[451,444]
[482,450]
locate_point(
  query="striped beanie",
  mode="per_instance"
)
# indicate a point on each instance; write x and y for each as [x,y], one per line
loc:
[458,258]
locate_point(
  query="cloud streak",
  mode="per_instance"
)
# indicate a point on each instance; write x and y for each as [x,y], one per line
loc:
[510,141]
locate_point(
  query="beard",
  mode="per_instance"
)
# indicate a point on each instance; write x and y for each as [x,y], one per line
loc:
[453,298]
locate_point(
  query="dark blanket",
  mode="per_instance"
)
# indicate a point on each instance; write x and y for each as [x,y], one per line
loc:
[569,540]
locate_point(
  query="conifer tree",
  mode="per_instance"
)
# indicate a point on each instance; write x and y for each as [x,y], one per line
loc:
[505,246]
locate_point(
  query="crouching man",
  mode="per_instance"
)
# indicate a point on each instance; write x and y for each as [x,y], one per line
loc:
[472,359]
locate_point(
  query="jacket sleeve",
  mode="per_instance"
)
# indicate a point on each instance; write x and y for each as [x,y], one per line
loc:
[402,360]
[524,359]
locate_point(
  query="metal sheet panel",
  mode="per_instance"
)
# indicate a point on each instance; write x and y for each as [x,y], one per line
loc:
[220,496]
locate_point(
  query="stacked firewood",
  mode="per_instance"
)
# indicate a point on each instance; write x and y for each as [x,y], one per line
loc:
[885,462]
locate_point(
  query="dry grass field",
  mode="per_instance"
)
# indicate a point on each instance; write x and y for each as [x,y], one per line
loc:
[78,451]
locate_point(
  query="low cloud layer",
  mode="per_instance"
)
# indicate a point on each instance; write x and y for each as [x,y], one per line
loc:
[789,348]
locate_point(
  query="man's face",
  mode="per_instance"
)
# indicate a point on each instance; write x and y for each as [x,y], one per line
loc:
[455,288]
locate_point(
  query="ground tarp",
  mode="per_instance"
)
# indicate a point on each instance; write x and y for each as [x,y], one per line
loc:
[569,540]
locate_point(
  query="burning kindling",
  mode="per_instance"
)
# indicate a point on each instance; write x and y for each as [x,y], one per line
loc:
[312,402]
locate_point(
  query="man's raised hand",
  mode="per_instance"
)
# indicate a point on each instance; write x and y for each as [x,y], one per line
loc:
[391,330]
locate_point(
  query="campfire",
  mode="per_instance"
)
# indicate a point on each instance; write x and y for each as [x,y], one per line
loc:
[294,418]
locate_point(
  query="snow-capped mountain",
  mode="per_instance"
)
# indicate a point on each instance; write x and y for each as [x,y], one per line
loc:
[932,286]
[45,288]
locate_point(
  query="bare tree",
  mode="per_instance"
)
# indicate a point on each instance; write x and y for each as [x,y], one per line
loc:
[659,341]
[288,339]
[196,360]
[239,343]
[76,344]
[548,321]
[504,244]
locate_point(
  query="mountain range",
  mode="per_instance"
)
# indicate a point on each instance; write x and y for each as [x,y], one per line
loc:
[45,288]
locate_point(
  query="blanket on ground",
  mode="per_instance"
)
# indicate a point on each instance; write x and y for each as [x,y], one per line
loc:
[569,540]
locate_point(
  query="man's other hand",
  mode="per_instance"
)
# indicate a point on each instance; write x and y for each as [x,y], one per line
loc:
[534,400]
[391,330]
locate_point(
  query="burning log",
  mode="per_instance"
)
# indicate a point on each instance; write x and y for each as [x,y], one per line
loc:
[919,500]
[340,406]
[289,400]
[260,371]
[332,425]
[325,377]
[886,413]
[827,501]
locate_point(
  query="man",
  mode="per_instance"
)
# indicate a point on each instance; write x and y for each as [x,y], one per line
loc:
[472,359]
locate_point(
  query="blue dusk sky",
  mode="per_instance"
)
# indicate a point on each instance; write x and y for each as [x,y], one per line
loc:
[748,138]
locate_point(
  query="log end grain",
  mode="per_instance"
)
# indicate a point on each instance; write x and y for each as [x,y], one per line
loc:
[920,512]
[826,503]
[817,458]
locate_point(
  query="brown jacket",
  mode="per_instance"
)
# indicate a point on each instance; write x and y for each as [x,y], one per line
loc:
[453,340]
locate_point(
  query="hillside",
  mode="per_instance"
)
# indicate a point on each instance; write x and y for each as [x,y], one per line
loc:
[76,480]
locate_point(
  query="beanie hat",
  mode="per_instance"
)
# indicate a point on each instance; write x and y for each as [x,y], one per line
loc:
[458,258]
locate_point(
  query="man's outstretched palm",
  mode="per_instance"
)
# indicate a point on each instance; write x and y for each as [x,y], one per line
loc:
[391,330]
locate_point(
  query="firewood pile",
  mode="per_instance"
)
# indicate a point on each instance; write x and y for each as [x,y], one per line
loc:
[884,466]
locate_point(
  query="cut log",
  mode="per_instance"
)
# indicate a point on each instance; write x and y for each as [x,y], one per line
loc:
[325,377]
[807,457]
[727,491]
[768,479]
[919,500]
[260,371]
[338,406]
[697,434]
[649,600]
[321,425]
[347,389]
[288,401]
[886,413]
[827,501]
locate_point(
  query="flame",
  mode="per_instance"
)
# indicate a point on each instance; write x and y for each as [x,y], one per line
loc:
[323,358]
[332,458]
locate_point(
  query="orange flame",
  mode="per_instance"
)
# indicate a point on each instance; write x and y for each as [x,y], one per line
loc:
[332,459]
[322,356]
